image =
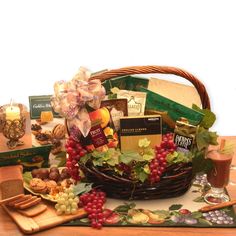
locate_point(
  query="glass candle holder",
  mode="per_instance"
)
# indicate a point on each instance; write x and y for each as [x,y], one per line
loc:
[14,124]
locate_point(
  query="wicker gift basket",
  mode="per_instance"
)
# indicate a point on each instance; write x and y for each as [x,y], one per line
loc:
[176,179]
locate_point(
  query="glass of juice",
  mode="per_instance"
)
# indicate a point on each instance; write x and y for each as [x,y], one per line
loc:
[218,176]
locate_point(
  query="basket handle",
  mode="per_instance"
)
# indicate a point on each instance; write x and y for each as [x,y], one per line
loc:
[161,70]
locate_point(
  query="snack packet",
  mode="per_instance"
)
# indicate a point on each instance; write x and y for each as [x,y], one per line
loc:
[102,134]
[118,108]
[184,135]
[136,101]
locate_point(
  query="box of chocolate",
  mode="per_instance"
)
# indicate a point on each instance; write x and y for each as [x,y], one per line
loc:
[170,110]
[29,158]
[132,129]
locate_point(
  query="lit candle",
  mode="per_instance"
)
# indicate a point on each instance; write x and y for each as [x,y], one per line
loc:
[12,112]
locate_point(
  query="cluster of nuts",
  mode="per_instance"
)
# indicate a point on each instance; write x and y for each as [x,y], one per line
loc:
[50,137]
[52,174]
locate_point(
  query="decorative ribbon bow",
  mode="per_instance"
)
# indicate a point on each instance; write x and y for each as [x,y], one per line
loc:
[70,98]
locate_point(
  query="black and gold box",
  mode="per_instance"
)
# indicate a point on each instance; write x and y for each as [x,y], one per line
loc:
[132,129]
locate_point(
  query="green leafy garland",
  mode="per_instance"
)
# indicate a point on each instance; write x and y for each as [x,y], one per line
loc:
[139,161]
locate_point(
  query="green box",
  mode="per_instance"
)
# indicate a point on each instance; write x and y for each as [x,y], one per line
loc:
[40,103]
[128,82]
[29,158]
[173,109]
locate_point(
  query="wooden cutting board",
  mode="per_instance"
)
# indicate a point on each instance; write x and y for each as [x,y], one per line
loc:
[45,220]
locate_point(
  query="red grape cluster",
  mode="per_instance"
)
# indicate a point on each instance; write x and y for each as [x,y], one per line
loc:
[93,203]
[158,164]
[123,167]
[75,152]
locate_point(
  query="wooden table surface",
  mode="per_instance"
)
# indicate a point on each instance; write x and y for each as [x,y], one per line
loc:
[8,227]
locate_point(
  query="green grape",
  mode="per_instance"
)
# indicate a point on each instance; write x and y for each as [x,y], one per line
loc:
[74,205]
[70,200]
[63,207]
[67,202]
[61,200]
[76,199]
[71,195]
[65,195]
[68,211]
[73,211]
[67,190]
[57,206]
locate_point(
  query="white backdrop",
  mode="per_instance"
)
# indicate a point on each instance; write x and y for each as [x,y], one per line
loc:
[47,40]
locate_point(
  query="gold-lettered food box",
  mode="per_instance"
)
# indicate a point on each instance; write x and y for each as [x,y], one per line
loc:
[134,128]
[29,158]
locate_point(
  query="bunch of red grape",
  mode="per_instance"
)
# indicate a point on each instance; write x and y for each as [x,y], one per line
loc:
[75,152]
[158,164]
[124,168]
[93,203]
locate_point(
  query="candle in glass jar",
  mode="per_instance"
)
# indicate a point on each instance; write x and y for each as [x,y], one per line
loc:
[12,113]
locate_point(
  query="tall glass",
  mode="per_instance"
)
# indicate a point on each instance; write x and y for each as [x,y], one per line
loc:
[218,177]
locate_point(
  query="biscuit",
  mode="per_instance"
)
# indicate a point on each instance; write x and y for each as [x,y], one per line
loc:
[38,185]
[51,184]
[22,199]
[19,204]
[30,203]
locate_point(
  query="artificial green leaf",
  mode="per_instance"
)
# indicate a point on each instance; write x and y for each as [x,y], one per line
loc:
[140,172]
[171,157]
[175,207]
[129,156]
[125,208]
[196,214]
[199,199]
[27,177]
[204,138]
[146,169]
[62,162]
[149,151]
[200,163]
[113,161]
[147,157]
[84,158]
[98,162]
[80,188]
[143,143]
[162,213]
[177,157]
[208,119]
[96,154]
[85,220]
[203,221]
[62,159]
[142,176]
[112,96]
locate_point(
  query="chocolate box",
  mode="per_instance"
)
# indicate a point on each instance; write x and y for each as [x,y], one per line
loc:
[132,129]
[29,158]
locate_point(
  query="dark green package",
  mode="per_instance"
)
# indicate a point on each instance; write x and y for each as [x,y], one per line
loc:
[170,110]
[29,158]
[126,83]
